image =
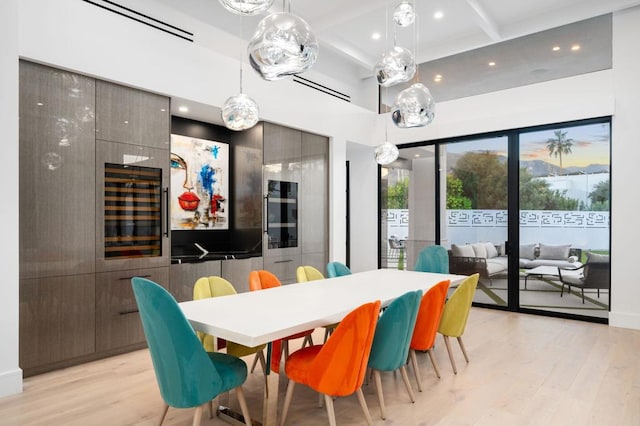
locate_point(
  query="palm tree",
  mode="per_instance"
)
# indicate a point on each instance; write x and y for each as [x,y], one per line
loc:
[559,145]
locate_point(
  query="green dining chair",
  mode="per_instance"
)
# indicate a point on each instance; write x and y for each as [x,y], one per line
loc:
[433,259]
[390,348]
[187,375]
[337,269]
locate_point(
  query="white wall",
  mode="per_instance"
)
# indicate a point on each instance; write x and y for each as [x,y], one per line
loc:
[625,294]
[10,373]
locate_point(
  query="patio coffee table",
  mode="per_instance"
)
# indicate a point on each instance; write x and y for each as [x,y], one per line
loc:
[539,272]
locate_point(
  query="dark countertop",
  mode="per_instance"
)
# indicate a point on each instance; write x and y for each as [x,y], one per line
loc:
[211,256]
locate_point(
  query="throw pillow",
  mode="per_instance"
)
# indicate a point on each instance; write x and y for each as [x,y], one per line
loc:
[462,251]
[491,250]
[480,250]
[554,252]
[527,251]
[597,258]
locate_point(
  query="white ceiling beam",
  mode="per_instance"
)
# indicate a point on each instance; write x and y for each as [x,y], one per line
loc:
[347,13]
[485,21]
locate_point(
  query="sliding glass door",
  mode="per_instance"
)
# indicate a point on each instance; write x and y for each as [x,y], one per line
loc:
[564,219]
[525,208]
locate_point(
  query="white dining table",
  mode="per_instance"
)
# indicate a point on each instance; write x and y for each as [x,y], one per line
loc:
[259,317]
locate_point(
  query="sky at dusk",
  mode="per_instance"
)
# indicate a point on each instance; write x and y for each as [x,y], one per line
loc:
[591,145]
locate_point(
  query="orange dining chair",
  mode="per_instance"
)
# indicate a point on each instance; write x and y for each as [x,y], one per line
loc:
[261,280]
[426,329]
[336,368]
[309,273]
[455,315]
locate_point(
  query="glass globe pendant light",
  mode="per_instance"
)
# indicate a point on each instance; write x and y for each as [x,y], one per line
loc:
[413,107]
[240,112]
[283,44]
[386,153]
[396,65]
[404,14]
[246,7]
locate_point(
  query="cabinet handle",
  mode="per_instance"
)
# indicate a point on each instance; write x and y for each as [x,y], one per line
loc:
[132,311]
[133,276]
[283,261]
[166,212]
[265,213]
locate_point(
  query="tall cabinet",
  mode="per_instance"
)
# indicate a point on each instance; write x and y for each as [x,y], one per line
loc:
[76,302]
[295,179]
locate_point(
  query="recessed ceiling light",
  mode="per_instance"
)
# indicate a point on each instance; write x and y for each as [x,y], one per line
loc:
[375,36]
[39,104]
[492,64]
[417,155]
[162,109]
[556,48]
[183,109]
[575,47]
[438,15]
[437,78]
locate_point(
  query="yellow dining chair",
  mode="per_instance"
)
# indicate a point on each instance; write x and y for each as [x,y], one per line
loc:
[215,286]
[455,315]
[309,273]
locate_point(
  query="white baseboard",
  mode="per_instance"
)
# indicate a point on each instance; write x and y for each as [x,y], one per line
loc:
[10,382]
[624,320]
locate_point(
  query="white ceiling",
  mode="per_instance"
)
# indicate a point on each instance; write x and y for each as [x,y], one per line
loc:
[345,26]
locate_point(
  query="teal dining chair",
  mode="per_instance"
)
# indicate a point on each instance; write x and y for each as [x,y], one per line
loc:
[337,269]
[187,375]
[390,348]
[433,259]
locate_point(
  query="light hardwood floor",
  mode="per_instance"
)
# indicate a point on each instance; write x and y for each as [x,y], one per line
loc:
[524,370]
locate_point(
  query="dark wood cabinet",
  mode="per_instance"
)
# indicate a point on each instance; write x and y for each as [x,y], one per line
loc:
[118,323]
[57,178]
[185,275]
[57,321]
[69,312]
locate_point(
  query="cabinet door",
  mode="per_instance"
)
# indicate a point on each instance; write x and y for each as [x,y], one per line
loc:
[57,177]
[130,230]
[57,320]
[314,195]
[185,275]
[128,115]
[283,266]
[282,145]
[117,319]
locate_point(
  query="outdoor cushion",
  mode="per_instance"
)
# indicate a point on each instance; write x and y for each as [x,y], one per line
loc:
[491,250]
[527,251]
[480,250]
[560,252]
[462,251]
[597,258]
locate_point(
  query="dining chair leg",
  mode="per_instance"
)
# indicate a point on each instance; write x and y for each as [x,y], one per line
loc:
[414,362]
[330,411]
[197,416]
[378,381]
[448,345]
[363,405]
[432,357]
[243,406]
[164,414]
[210,409]
[287,401]
[464,350]
[405,379]
[255,362]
